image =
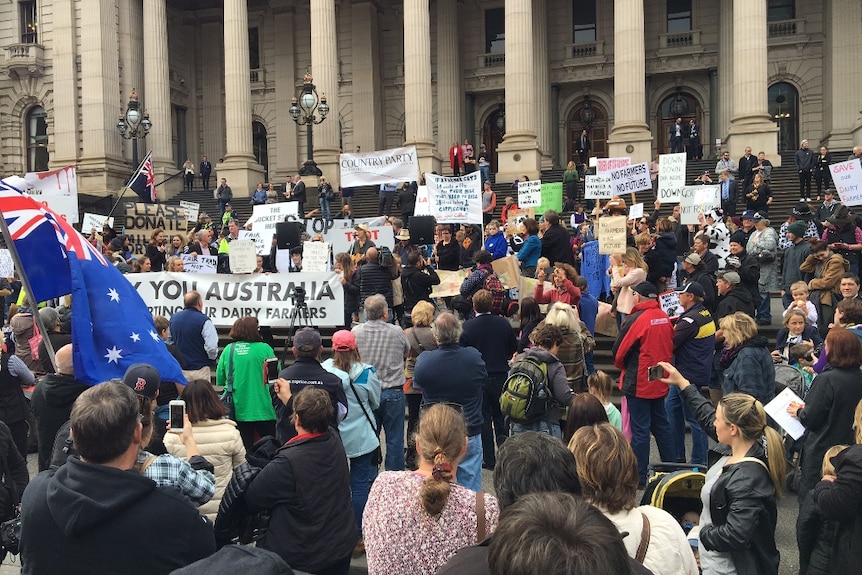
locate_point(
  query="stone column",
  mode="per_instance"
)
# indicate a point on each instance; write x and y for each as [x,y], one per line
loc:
[518,154]
[555,127]
[324,68]
[725,73]
[708,141]
[367,99]
[543,82]
[156,97]
[287,150]
[450,127]
[630,135]
[239,167]
[417,84]
[65,112]
[842,83]
[212,111]
[100,167]
[751,125]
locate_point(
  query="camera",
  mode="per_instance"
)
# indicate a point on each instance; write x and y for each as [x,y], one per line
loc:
[298,296]
[10,535]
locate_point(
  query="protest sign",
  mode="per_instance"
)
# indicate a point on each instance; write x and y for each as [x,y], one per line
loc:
[847,177]
[606,324]
[141,219]
[423,208]
[7,266]
[315,256]
[696,200]
[515,218]
[552,197]
[227,297]
[242,256]
[529,194]
[527,287]
[261,247]
[342,238]
[636,211]
[192,210]
[450,283]
[612,234]
[508,270]
[597,188]
[671,177]
[455,200]
[605,165]
[593,162]
[91,221]
[265,216]
[381,167]
[57,189]
[630,179]
[197,264]
[669,302]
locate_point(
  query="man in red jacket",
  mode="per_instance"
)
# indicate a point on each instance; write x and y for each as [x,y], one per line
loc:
[634,353]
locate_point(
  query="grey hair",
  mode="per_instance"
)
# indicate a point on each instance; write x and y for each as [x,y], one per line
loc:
[375,306]
[50,318]
[104,419]
[446,328]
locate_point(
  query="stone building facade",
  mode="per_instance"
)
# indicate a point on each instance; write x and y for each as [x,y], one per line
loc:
[523,76]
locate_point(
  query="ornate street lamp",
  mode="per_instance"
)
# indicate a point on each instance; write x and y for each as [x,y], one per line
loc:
[303,113]
[134,125]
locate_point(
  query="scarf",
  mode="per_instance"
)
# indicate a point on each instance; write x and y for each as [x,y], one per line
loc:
[728,354]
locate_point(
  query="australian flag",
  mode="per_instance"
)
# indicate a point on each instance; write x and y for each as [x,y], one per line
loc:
[144,181]
[111,325]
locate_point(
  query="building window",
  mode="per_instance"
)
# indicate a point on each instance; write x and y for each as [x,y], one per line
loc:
[584,21]
[678,16]
[778,10]
[495,31]
[784,109]
[254,48]
[37,140]
[29,24]
[260,147]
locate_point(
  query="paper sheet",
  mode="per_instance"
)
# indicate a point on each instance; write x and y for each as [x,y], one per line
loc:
[777,410]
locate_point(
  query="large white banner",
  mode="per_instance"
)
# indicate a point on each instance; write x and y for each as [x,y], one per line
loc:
[382,167]
[847,177]
[229,297]
[455,200]
[630,179]
[57,189]
[671,177]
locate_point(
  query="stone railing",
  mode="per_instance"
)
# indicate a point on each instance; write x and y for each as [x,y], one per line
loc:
[584,50]
[493,60]
[785,28]
[24,59]
[688,39]
[257,76]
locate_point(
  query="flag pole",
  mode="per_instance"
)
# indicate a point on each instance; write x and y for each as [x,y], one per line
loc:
[25,282]
[129,183]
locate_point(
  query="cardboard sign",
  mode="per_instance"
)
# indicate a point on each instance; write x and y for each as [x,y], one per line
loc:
[847,177]
[612,234]
[7,266]
[96,221]
[669,302]
[597,188]
[456,200]
[529,194]
[508,270]
[696,200]
[606,324]
[605,165]
[450,283]
[517,216]
[630,179]
[242,257]
[671,177]
[141,219]
[195,264]
[315,256]
[192,210]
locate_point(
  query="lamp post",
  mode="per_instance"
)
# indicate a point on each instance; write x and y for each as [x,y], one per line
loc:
[134,125]
[303,113]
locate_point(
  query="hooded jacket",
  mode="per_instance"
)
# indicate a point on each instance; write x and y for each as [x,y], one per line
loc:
[645,338]
[737,299]
[841,501]
[752,371]
[417,285]
[561,392]
[661,259]
[52,402]
[827,275]
[85,518]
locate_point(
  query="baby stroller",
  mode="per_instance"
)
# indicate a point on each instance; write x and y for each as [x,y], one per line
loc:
[675,487]
[788,376]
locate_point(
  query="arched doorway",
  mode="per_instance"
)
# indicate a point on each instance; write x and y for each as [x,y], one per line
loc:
[492,135]
[592,117]
[784,111]
[260,147]
[37,140]
[679,105]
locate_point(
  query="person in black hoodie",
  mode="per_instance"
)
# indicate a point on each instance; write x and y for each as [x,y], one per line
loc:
[732,297]
[52,402]
[661,259]
[741,262]
[556,243]
[83,517]
[815,533]
[417,281]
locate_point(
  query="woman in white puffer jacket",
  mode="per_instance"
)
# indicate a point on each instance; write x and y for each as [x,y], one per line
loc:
[217,437]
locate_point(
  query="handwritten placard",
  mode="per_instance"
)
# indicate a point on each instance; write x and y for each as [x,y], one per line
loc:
[450,283]
[696,200]
[612,235]
[671,177]
[192,210]
[847,177]
[315,256]
[630,179]
[242,256]
[261,246]
[197,264]
[597,188]
[636,211]
[94,221]
[7,266]
[552,197]
[529,194]
[669,302]
[456,200]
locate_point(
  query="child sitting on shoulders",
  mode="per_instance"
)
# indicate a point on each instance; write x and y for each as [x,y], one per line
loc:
[600,385]
[799,291]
